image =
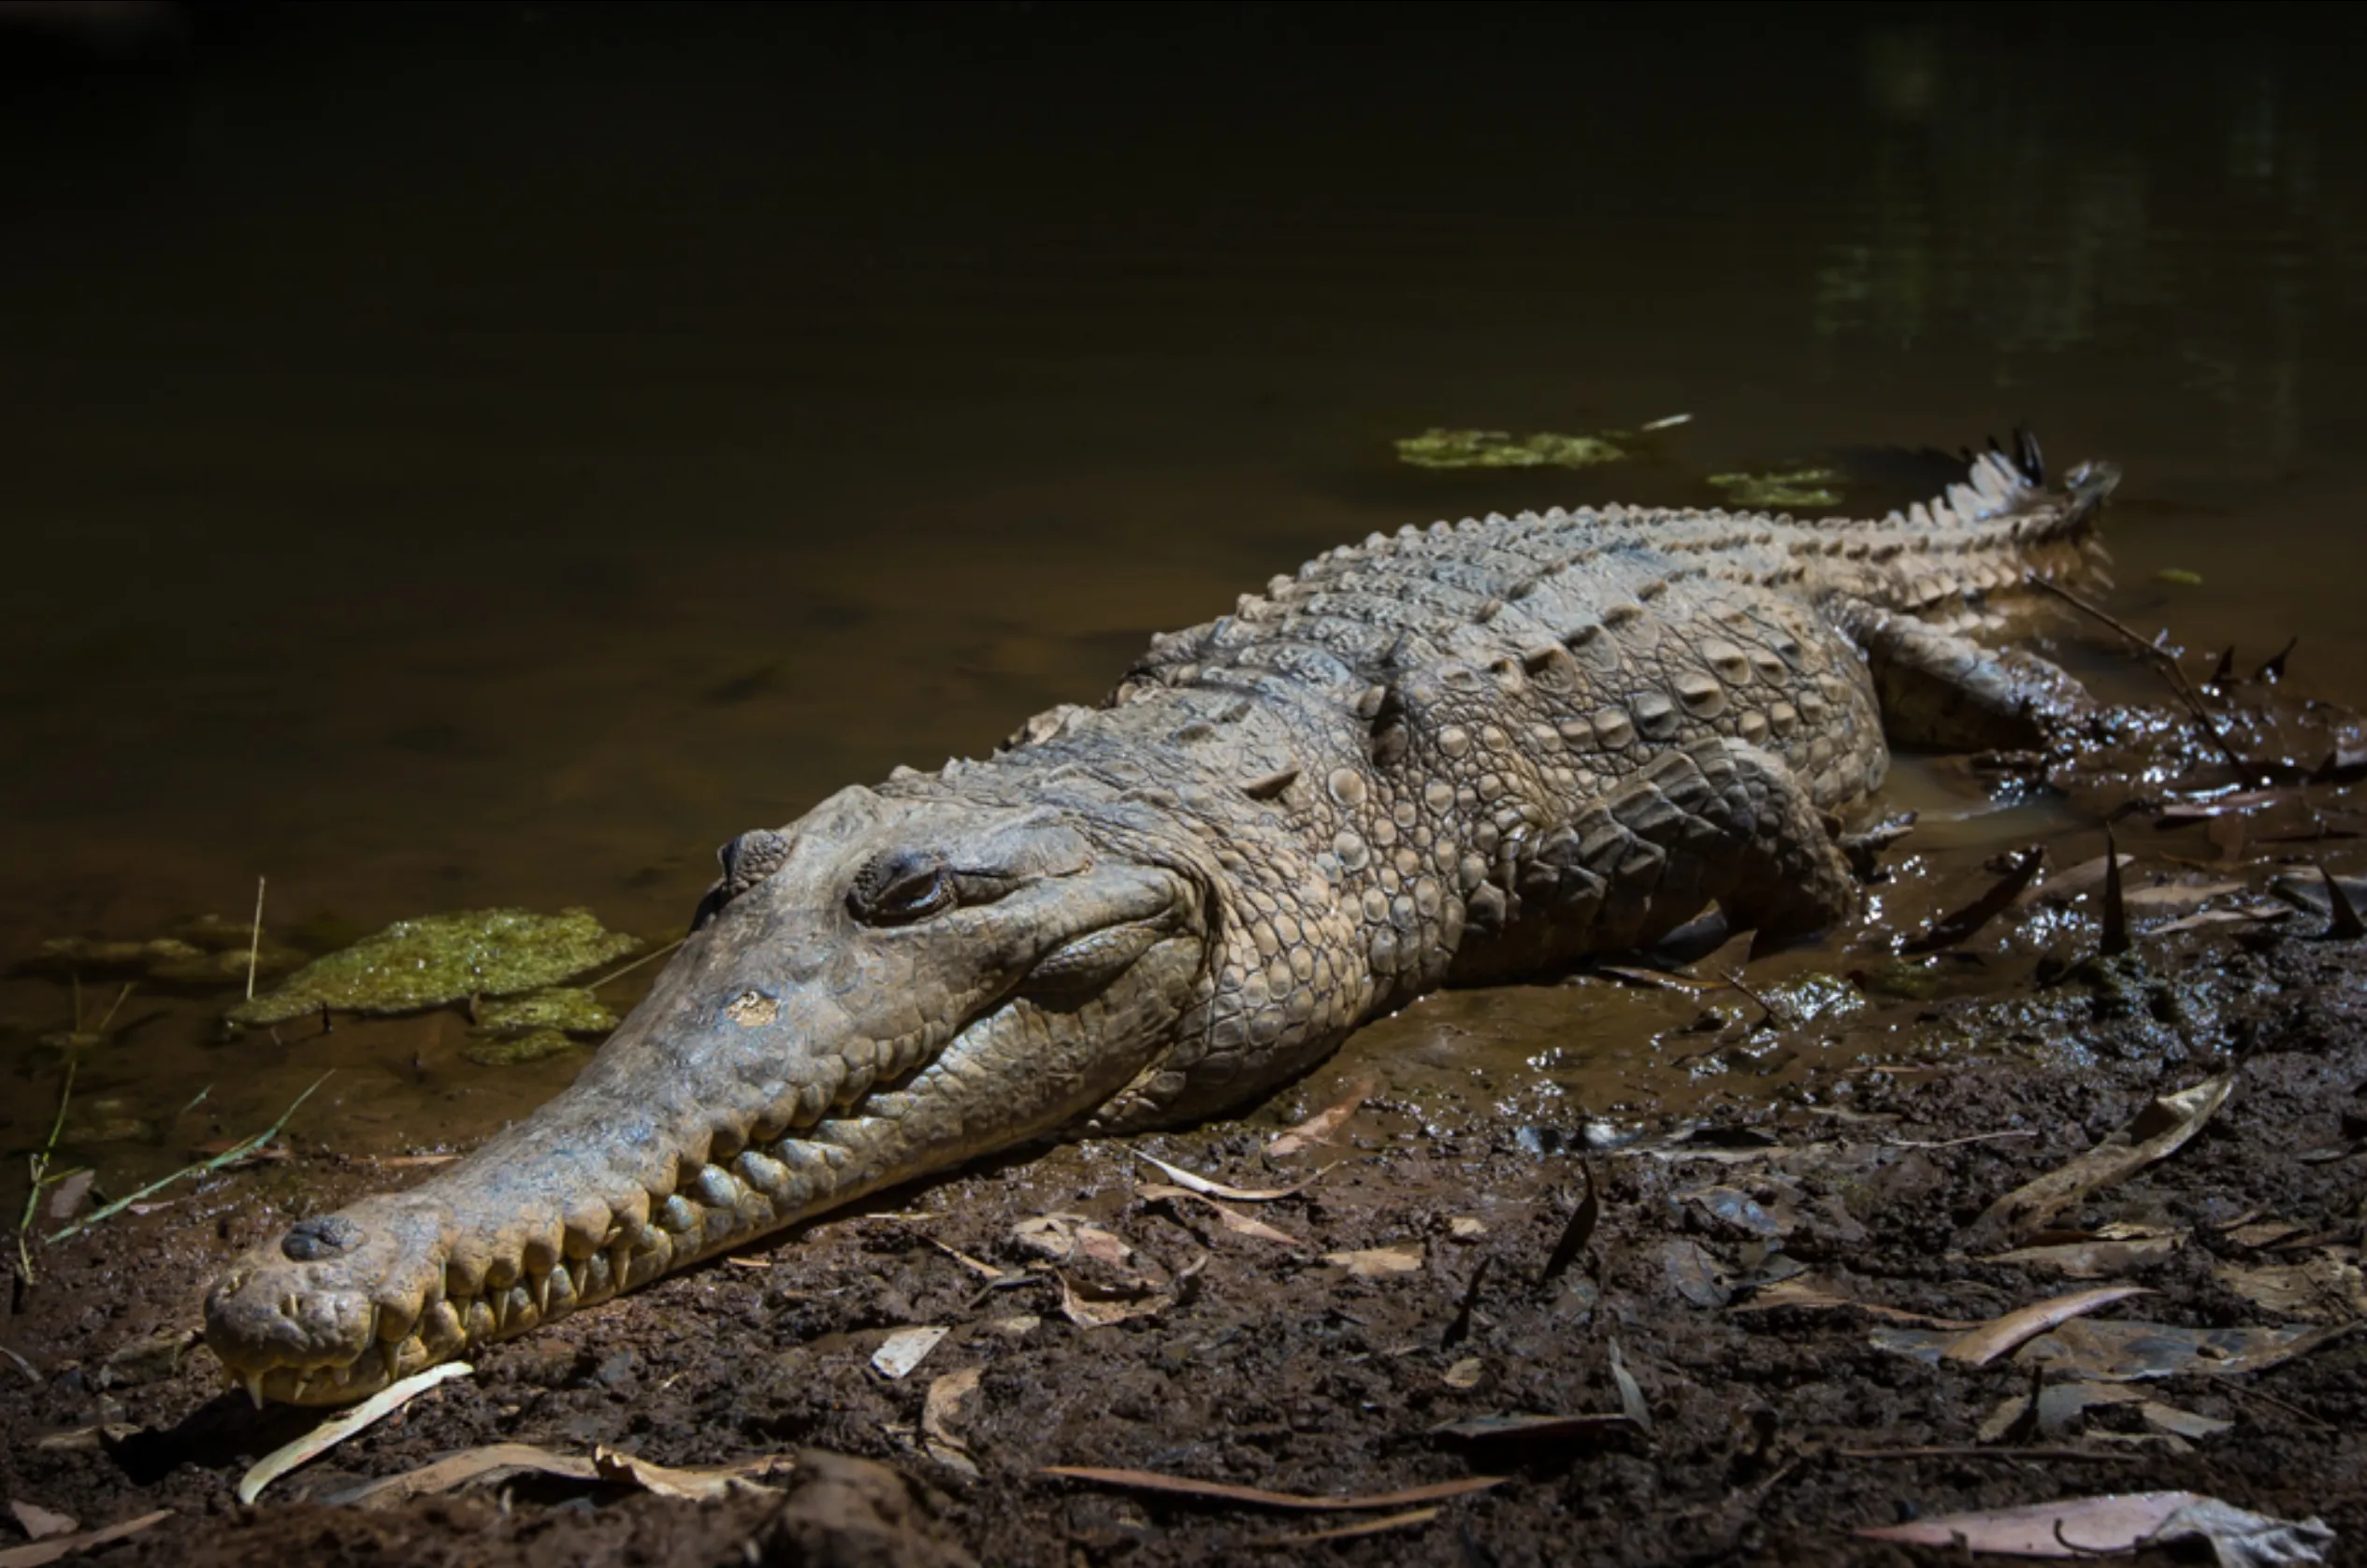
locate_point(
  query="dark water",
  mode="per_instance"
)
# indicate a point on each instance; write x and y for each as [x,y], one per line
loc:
[492,455]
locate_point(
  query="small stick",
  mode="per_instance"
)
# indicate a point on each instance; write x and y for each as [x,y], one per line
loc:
[2163,661]
[2115,941]
[236,1152]
[648,958]
[1773,1018]
[2229,1384]
[113,1008]
[255,943]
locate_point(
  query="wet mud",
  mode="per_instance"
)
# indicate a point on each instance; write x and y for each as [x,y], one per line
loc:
[1772,1203]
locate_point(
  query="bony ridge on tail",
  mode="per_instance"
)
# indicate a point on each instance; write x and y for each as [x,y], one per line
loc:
[1452,755]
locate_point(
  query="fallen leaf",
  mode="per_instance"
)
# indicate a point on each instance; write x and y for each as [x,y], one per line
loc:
[1693,1273]
[1094,1306]
[331,1432]
[705,1484]
[35,1553]
[1208,1189]
[1376,1261]
[455,1470]
[2183,1423]
[2326,1287]
[1233,1219]
[2119,1522]
[1980,1346]
[2158,1132]
[2091,1260]
[2070,1527]
[1466,1374]
[2124,1351]
[1320,1127]
[1258,1497]
[1966,923]
[1802,1290]
[1631,1397]
[1016,1326]
[905,1349]
[1346,1531]
[39,1523]
[1463,1228]
[1064,1237]
[942,1406]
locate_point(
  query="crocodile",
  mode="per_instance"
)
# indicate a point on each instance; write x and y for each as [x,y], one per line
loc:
[1455,755]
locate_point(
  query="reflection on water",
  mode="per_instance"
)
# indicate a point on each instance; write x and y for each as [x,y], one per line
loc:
[490,456]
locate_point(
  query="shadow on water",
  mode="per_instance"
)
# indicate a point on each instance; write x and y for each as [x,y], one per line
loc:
[491,454]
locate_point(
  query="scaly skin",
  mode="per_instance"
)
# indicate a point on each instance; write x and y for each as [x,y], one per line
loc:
[1451,757]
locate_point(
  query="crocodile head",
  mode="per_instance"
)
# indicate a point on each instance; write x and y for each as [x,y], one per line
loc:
[887,988]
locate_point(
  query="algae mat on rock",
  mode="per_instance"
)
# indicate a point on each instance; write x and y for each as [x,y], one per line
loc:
[442,958]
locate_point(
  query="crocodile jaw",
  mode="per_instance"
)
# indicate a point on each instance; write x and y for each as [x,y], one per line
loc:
[788,1061]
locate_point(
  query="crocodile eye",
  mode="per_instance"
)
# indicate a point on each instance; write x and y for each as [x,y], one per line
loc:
[898,886]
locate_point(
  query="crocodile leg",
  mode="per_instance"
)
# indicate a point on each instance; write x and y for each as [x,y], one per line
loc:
[1718,819]
[1943,691]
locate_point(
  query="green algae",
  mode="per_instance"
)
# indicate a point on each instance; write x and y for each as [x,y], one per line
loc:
[1791,487]
[568,1009]
[1438,448]
[514,1050]
[169,960]
[442,958]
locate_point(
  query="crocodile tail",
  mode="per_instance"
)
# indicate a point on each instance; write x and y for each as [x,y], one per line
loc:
[1985,533]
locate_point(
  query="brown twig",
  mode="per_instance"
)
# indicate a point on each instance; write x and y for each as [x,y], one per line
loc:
[2163,660]
[2229,1386]
[649,958]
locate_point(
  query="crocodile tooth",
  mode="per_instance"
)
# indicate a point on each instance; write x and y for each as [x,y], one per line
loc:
[252,1382]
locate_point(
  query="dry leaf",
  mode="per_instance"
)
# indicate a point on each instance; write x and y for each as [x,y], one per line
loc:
[2326,1287]
[1374,1262]
[1233,1220]
[1980,1346]
[1320,1127]
[2120,1522]
[1463,1228]
[944,1404]
[1208,1189]
[331,1432]
[2159,1130]
[39,1523]
[1147,1480]
[35,1553]
[455,1470]
[905,1349]
[1063,1237]
[1093,1306]
[2091,1260]
[2124,1351]
[705,1484]
[1466,1374]
[1805,1291]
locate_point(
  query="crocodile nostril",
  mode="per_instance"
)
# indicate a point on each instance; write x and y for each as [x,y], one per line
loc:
[310,1240]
